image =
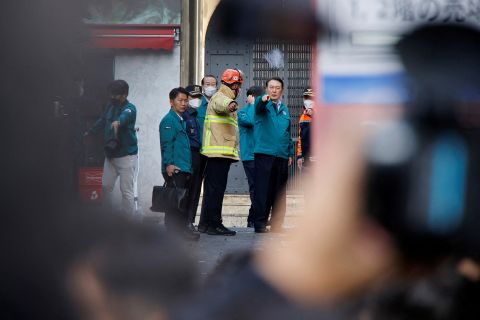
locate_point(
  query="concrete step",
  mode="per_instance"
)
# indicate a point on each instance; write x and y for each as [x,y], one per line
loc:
[235,210]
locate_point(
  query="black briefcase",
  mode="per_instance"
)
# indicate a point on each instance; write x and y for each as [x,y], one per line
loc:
[171,198]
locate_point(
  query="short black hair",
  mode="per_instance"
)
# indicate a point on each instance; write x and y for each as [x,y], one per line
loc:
[118,87]
[255,91]
[276,79]
[176,91]
[208,76]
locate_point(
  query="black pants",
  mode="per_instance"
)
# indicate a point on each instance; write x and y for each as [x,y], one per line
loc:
[271,174]
[175,219]
[216,177]
[249,167]
[199,162]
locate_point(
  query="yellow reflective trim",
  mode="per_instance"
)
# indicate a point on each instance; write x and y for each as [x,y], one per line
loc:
[220,149]
[208,136]
[211,116]
[224,122]
[218,119]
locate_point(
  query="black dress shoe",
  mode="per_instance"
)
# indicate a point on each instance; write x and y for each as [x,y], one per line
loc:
[202,228]
[220,230]
[261,230]
[250,224]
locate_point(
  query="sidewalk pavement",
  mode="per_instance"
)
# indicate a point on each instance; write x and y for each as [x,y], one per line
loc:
[210,250]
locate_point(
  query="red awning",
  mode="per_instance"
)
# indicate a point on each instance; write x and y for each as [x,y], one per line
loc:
[134,36]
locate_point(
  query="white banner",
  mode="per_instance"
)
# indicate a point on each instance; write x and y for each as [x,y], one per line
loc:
[357,60]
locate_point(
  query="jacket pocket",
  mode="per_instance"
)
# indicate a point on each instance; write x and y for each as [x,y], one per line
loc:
[284,122]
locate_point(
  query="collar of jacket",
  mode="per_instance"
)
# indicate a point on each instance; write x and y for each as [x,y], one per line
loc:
[120,107]
[274,106]
[227,91]
[191,111]
[179,118]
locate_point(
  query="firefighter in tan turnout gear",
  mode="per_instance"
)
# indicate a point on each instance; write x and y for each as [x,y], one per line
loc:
[221,146]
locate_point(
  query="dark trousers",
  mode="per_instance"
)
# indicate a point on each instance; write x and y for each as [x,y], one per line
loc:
[216,177]
[199,162]
[176,219]
[271,174]
[249,167]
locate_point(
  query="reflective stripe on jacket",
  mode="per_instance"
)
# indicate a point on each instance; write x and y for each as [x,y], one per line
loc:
[220,132]
[303,148]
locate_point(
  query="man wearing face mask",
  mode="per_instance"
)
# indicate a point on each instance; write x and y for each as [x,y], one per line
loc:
[221,145]
[209,86]
[121,149]
[303,148]
[198,160]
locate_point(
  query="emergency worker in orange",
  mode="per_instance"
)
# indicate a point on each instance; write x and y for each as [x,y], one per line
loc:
[304,158]
[221,145]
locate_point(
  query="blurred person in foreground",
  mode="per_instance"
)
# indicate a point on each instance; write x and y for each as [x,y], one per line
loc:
[246,123]
[198,160]
[177,158]
[370,225]
[121,146]
[220,145]
[304,124]
[273,155]
[120,270]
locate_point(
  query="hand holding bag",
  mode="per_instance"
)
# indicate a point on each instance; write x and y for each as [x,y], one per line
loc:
[112,145]
[169,198]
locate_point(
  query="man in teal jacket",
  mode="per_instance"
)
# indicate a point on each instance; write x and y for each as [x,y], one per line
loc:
[176,158]
[121,149]
[246,122]
[273,155]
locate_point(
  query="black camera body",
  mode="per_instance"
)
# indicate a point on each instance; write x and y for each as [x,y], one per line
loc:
[423,171]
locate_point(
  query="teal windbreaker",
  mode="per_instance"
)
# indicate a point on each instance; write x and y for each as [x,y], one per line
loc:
[201,114]
[127,115]
[272,129]
[174,143]
[246,122]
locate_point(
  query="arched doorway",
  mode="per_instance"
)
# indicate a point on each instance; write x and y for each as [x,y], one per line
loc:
[260,59]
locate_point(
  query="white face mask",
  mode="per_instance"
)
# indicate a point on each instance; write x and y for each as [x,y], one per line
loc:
[195,103]
[308,104]
[209,91]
